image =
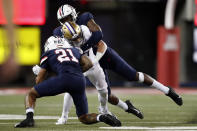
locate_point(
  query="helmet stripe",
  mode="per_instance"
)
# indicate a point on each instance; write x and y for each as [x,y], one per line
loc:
[60,12]
[73,29]
[63,10]
[68,27]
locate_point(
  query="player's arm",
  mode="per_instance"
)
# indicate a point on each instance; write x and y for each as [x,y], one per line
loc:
[101,46]
[43,69]
[41,75]
[97,34]
[93,26]
[85,63]
[101,49]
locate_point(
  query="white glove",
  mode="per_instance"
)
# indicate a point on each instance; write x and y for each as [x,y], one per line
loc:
[36,69]
[92,57]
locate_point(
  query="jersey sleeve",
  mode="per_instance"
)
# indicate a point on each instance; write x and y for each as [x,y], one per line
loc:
[84,18]
[43,61]
[94,39]
[57,31]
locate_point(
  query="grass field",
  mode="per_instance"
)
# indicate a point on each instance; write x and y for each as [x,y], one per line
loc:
[159,111]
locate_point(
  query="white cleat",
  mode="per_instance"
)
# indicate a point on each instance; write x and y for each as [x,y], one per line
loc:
[61,121]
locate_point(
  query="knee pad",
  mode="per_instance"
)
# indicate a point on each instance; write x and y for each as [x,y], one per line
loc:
[141,77]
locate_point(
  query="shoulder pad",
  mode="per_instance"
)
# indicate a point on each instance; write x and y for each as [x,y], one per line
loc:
[84,18]
[58,31]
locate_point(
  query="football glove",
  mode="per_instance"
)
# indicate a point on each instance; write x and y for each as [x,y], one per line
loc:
[36,69]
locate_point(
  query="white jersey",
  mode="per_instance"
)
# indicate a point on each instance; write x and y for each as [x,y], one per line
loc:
[87,34]
[95,74]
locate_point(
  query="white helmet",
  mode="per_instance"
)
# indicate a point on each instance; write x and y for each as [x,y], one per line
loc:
[64,11]
[55,42]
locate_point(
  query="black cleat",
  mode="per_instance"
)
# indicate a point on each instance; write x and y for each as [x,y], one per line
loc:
[133,110]
[175,97]
[110,120]
[25,123]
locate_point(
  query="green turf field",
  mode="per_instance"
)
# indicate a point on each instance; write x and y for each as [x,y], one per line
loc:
[159,111]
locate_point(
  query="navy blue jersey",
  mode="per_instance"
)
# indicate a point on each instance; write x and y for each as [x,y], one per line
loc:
[64,60]
[69,78]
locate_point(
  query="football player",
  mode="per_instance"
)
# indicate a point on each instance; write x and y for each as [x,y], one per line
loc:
[67,62]
[95,75]
[110,60]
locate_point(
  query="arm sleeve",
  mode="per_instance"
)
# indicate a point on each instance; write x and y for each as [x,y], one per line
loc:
[94,39]
[43,61]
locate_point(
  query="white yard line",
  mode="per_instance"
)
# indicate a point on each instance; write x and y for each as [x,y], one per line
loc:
[18,117]
[157,122]
[152,128]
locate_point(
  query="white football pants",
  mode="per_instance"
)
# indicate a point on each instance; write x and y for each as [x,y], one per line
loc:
[97,78]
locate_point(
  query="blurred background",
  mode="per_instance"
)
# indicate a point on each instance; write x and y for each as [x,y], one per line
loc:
[131,27]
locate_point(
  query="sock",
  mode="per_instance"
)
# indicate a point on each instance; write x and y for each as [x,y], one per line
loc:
[160,87]
[98,117]
[103,98]
[29,110]
[68,101]
[122,105]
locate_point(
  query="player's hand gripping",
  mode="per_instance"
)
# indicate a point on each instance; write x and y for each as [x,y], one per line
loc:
[36,69]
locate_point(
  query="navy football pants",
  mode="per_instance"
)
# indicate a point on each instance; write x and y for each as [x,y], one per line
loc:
[112,61]
[73,84]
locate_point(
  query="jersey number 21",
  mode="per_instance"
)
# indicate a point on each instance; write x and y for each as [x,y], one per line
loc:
[63,55]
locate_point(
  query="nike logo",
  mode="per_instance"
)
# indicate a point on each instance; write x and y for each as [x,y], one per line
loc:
[179,97]
[138,112]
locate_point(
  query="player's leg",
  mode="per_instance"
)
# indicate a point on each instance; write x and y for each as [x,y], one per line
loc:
[97,78]
[81,105]
[45,88]
[127,106]
[30,101]
[146,79]
[120,66]
[67,104]
[94,118]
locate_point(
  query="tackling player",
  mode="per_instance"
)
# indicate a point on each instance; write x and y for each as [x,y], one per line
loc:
[110,60]
[77,36]
[67,62]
